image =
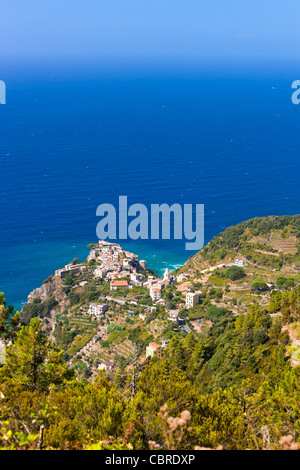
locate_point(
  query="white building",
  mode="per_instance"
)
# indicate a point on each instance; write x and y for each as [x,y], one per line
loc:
[155,293]
[71,268]
[98,309]
[239,262]
[106,365]
[137,279]
[173,315]
[192,299]
[100,273]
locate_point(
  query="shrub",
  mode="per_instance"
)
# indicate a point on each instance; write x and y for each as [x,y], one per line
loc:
[259,286]
[234,273]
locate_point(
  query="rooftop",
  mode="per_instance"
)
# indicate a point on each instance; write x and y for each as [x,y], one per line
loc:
[119,283]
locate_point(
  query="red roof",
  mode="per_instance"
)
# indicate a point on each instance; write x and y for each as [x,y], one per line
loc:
[119,283]
[154,345]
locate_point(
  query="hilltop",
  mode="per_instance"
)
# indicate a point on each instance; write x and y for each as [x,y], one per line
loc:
[265,253]
[271,243]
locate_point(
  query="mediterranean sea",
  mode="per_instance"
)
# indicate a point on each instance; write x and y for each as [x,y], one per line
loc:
[73,136]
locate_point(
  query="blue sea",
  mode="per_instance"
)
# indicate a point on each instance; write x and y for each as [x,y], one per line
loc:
[73,136]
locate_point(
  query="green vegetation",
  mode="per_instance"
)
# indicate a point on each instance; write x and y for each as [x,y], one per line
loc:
[264,241]
[114,327]
[234,381]
[234,273]
[259,286]
[37,308]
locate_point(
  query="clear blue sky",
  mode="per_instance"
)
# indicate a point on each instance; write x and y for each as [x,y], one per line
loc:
[113,29]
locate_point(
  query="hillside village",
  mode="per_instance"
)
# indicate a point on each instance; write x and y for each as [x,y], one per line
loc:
[99,311]
[127,294]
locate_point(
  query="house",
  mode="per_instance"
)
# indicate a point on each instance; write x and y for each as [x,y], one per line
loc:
[143,264]
[98,309]
[152,309]
[192,299]
[100,273]
[239,262]
[155,293]
[116,284]
[173,315]
[106,365]
[71,268]
[154,349]
[137,278]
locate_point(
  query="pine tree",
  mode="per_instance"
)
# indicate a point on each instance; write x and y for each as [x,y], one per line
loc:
[9,320]
[33,362]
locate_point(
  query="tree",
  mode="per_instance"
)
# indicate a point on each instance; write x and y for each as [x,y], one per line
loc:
[176,353]
[69,279]
[213,313]
[234,273]
[259,286]
[9,320]
[32,362]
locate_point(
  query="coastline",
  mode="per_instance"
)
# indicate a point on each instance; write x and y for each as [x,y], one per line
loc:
[46,257]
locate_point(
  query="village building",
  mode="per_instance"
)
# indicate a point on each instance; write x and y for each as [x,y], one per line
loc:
[154,349]
[192,299]
[173,315]
[71,268]
[106,366]
[155,293]
[100,273]
[97,309]
[117,284]
[239,262]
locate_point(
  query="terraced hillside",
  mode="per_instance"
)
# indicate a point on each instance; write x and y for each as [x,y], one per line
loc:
[267,242]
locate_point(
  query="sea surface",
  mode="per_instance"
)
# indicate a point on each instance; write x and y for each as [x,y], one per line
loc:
[75,136]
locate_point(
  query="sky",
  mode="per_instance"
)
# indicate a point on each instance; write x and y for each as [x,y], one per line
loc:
[153,29]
